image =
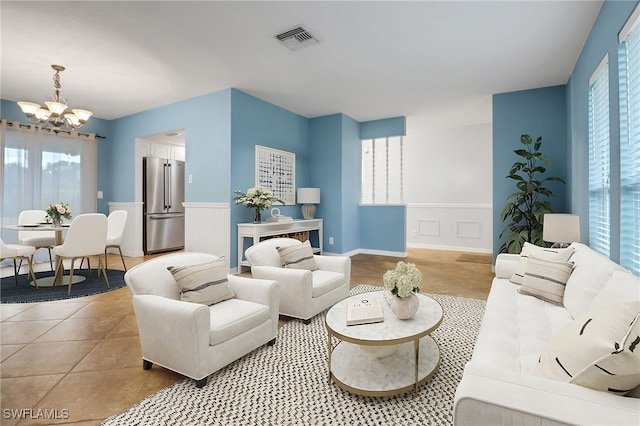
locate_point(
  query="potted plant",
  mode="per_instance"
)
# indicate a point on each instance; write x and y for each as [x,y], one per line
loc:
[56,212]
[403,282]
[256,198]
[526,208]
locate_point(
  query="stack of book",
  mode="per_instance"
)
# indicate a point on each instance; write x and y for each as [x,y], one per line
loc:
[364,311]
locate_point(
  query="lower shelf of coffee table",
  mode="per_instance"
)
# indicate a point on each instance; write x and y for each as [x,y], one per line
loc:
[364,374]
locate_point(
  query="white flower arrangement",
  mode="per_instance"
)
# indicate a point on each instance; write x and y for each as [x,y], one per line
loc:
[403,280]
[55,212]
[256,198]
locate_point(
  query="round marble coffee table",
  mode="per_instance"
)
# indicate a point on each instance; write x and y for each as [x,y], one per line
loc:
[361,371]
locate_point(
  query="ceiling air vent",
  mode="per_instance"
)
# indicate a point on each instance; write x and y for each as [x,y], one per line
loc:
[296,38]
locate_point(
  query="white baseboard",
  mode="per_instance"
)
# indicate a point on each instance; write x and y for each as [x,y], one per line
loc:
[450,248]
[367,251]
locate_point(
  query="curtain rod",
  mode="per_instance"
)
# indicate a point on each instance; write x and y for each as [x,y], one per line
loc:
[56,131]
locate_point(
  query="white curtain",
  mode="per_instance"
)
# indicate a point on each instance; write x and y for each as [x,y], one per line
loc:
[41,167]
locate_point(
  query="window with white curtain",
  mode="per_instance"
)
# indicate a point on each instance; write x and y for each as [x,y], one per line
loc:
[382,164]
[599,215]
[42,168]
[629,57]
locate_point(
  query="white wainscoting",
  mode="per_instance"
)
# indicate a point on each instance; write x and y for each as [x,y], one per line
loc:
[207,228]
[132,239]
[463,227]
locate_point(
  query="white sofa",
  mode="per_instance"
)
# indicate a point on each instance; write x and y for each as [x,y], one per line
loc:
[195,339]
[499,387]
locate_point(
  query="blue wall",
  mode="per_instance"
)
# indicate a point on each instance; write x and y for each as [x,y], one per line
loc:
[538,112]
[256,122]
[383,228]
[603,39]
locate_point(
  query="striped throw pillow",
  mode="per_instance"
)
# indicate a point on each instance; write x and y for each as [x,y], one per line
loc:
[544,253]
[206,283]
[299,256]
[546,279]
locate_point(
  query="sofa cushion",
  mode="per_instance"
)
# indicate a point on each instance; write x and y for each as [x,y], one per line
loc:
[298,256]
[205,283]
[233,317]
[590,273]
[600,350]
[545,279]
[622,287]
[543,253]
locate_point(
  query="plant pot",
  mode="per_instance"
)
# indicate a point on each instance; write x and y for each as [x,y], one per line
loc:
[405,307]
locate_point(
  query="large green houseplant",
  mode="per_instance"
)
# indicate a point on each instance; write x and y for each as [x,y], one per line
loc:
[526,208]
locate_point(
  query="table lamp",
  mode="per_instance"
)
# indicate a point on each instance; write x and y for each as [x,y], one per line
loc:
[561,229]
[308,197]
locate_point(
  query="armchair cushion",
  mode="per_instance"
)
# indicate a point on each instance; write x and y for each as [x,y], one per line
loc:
[204,283]
[298,256]
[234,317]
[325,281]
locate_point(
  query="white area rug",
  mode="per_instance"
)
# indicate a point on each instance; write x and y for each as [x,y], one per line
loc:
[286,384]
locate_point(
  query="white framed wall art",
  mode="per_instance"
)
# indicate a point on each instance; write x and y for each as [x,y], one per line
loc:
[276,171]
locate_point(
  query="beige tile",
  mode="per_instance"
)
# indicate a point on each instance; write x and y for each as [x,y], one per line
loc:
[49,310]
[112,353]
[157,378]
[7,350]
[24,331]
[97,309]
[95,395]
[24,393]
[80,329]
[8,310]
[46,358]
[125,328]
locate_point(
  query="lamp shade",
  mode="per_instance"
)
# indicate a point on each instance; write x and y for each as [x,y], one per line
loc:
[561,228]
[308,195]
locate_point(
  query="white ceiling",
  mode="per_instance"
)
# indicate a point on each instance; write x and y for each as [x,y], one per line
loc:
[375,59]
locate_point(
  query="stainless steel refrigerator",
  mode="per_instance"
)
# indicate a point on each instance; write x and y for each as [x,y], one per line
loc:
[163,195]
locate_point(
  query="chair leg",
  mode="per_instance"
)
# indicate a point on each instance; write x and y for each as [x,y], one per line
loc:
[121,258]
[200,383]
[73,259]
[15,270]
[50,258]
[33,276]
[104,271]
[146,365]
[271,342]
[306,321]
[89,268]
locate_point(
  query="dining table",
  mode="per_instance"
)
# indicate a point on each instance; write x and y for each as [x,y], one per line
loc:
[44,227]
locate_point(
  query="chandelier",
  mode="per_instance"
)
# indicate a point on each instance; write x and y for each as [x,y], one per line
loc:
[53,116]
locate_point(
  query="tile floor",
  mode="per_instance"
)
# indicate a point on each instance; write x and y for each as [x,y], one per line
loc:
[78,362]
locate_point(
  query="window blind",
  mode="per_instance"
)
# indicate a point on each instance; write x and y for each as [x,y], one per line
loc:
[630,147]
[599,215]
[382,170]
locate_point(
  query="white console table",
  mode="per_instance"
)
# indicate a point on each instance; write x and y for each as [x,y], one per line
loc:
[256,231]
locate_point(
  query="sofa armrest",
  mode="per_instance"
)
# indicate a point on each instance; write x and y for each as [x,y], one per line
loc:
[506,264]
[173,333]
[490,396]
[296,287]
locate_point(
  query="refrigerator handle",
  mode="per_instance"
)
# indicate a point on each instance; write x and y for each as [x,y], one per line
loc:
[168,186]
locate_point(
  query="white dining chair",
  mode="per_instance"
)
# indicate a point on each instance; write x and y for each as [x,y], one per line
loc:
[18,252]
[37,239]
[117,220]
[87,236]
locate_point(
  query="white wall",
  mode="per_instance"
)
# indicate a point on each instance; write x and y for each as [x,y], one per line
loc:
[448,176]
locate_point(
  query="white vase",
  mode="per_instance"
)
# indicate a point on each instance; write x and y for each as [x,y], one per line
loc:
[405,307]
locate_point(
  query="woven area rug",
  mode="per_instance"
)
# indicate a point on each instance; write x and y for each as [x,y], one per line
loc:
[286,384]
[25,293]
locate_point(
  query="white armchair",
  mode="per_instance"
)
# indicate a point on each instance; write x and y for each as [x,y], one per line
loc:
[191,338]
[303,293]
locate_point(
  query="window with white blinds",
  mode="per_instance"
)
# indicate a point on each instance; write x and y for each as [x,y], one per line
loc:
[630,144]
[599,225]
[382,164]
